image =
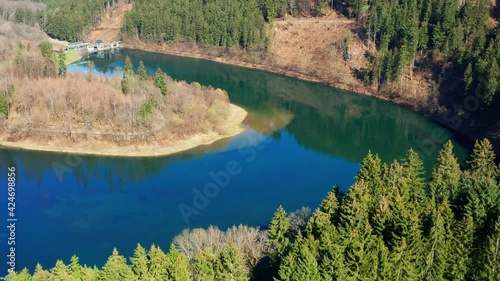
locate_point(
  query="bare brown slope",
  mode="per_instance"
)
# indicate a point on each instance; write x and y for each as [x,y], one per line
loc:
[313,46]
[108,29]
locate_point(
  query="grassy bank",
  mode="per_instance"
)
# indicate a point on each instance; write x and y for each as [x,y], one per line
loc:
[72,56]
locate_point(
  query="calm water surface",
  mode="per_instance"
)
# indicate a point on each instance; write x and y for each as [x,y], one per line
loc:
[302,139]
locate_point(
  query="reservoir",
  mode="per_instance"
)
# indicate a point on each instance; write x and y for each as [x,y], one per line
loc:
[301,139]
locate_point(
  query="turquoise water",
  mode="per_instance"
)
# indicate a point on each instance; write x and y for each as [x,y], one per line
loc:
[302,138]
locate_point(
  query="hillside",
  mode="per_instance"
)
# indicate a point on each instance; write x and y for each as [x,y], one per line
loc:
[108,29]
[429,63]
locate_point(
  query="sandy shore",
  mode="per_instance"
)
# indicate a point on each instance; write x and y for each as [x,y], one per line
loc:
[232,127]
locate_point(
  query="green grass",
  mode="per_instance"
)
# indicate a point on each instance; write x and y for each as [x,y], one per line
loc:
[72,56]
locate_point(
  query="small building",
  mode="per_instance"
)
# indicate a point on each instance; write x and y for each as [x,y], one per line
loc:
[77,46]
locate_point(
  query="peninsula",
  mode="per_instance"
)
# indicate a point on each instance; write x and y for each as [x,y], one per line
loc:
[42,107]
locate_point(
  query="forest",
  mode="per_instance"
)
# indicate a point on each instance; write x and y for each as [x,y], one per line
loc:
[456,42]
[394,223]
[223,23]
[62,19]
[459,41]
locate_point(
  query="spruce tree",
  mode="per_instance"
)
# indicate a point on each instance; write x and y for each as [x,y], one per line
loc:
[178,265]
[402,264]
[492,267]
[317,224]
[279,227]
[413,170]
[231,265]
[160,82]
[75,268]
[41,274]
[204,265]
[461,238]
[158,263]
[24,275]
[141,72]
[371,172]
[330,205]
[482,160]
[61,64]
[128,68]
[4,105]
[445,175]
[331,254]
[140,263]
[61,271]
[306,265]
[439,244]
[125,84]
[116,268]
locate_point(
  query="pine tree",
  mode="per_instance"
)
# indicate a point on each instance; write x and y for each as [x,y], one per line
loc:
[141,72]
[482,160]
[445,175]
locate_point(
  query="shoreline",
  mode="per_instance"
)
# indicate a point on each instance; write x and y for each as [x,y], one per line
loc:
[232,127]
[466,131]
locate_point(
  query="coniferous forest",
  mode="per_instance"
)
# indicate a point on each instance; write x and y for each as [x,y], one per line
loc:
[224,23]
[61,19]
[393,224]
[456,41]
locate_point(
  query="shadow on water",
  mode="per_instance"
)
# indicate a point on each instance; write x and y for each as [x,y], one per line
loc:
[321,118]
[303,138]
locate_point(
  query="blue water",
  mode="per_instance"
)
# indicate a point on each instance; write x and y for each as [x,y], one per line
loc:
[87,205]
